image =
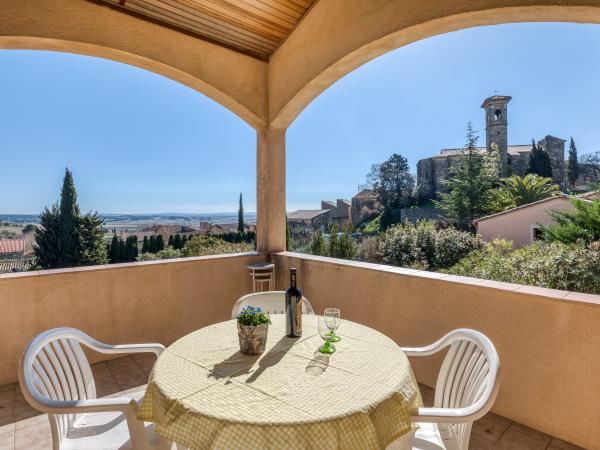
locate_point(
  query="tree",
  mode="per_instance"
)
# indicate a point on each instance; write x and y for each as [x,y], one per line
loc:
[177,244]
[241,227]
[68,222]
[170,240]
[288,235]
[582,224]
[113,252]
[317,246]
[393,185]
[517,191]
[347,248]
[184,239]
[66,238]
[131,249]
[572,165]
[47,239]
[333,240]
[145,245]
[539,162]
[152,244]
[159,243]
[592,161]
[470,184]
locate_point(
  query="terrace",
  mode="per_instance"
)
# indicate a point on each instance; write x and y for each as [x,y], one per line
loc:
[266,74]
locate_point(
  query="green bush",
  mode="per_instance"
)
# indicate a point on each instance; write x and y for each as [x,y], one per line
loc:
[165,253]
[209,245]
[423,246]
[571,267]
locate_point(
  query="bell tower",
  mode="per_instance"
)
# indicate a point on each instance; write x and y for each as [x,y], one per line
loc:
[496,128]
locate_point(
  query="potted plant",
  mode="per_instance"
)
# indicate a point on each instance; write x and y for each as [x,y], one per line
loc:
[253,326]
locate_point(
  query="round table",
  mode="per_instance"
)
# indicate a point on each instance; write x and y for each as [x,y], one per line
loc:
[204,394]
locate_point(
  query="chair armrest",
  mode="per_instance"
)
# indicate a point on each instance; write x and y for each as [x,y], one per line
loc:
[157,349]
[125,405]
[447,415]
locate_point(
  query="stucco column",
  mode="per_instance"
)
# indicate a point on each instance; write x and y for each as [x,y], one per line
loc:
[270,190]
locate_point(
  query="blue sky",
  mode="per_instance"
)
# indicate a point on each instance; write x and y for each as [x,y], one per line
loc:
[138,142]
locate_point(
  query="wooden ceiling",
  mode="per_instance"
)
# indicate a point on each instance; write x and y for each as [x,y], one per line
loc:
[253,27]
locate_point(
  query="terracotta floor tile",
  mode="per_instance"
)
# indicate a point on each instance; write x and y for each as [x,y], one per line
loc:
[515,440]
[101,371]
[7,414]
[7,437]
[531,432]
[33,438]
[479,443]
[491,427]
[7,393]
[40,420]
[562,445]
[107,386]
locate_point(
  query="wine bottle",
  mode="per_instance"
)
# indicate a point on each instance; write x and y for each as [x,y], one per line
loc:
[293,308]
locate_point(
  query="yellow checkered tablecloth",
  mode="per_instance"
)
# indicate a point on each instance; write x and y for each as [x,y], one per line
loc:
[204,394]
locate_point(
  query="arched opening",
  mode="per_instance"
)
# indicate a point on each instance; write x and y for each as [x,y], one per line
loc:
[153,157]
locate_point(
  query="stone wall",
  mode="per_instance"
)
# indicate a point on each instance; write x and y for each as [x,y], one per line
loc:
[555,147]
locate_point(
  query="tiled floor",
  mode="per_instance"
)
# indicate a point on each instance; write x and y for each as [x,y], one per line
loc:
[23,428]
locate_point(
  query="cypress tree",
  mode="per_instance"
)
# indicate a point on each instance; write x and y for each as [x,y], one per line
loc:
[317,245]
[572,164]
[176,244]
[145,245]
[68,223]
[171,240]
[334,242]
[539,162]
[122,251]
[160,243]
[47,239]
[113,253]
[184,239]
[288,235]
[131,248]
[152,244]
[241,216]
[66,238]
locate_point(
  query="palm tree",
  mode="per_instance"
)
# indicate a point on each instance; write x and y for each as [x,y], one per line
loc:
[517,191]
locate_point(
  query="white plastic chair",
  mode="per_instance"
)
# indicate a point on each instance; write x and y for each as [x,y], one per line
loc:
[466,389]
[56,378]
[271,301]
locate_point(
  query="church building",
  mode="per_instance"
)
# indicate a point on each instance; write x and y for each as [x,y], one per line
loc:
[433,171]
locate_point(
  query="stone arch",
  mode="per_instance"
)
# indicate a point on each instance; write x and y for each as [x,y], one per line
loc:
[231,79]
[299,73]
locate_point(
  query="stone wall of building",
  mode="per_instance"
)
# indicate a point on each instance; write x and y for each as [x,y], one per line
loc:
[555,147]
[364,206]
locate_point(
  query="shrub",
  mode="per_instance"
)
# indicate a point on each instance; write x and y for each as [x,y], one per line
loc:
[423,246]
[165,253]
[209,245]
[368,249]
[572,267]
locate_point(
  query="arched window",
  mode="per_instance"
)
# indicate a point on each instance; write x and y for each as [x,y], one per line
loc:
[497,114]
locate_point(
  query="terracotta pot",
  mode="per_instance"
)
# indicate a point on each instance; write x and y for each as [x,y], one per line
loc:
[253,338]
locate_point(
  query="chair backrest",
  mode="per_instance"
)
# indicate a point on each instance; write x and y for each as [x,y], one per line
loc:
[54,369]
[468,377]
[271,301]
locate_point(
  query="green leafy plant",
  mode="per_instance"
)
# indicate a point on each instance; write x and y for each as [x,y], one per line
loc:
[518,191]
[253,316]
[571,267]
[423,246]
[582,224]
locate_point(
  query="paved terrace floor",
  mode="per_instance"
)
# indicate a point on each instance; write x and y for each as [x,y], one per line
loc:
[23,428]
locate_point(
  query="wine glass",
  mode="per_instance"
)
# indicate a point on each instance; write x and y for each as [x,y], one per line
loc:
[333,318]
[325,333]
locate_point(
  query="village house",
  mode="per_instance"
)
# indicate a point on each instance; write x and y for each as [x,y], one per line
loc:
[522,225]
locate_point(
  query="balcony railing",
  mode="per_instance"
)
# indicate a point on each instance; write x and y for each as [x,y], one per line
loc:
[547,340]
